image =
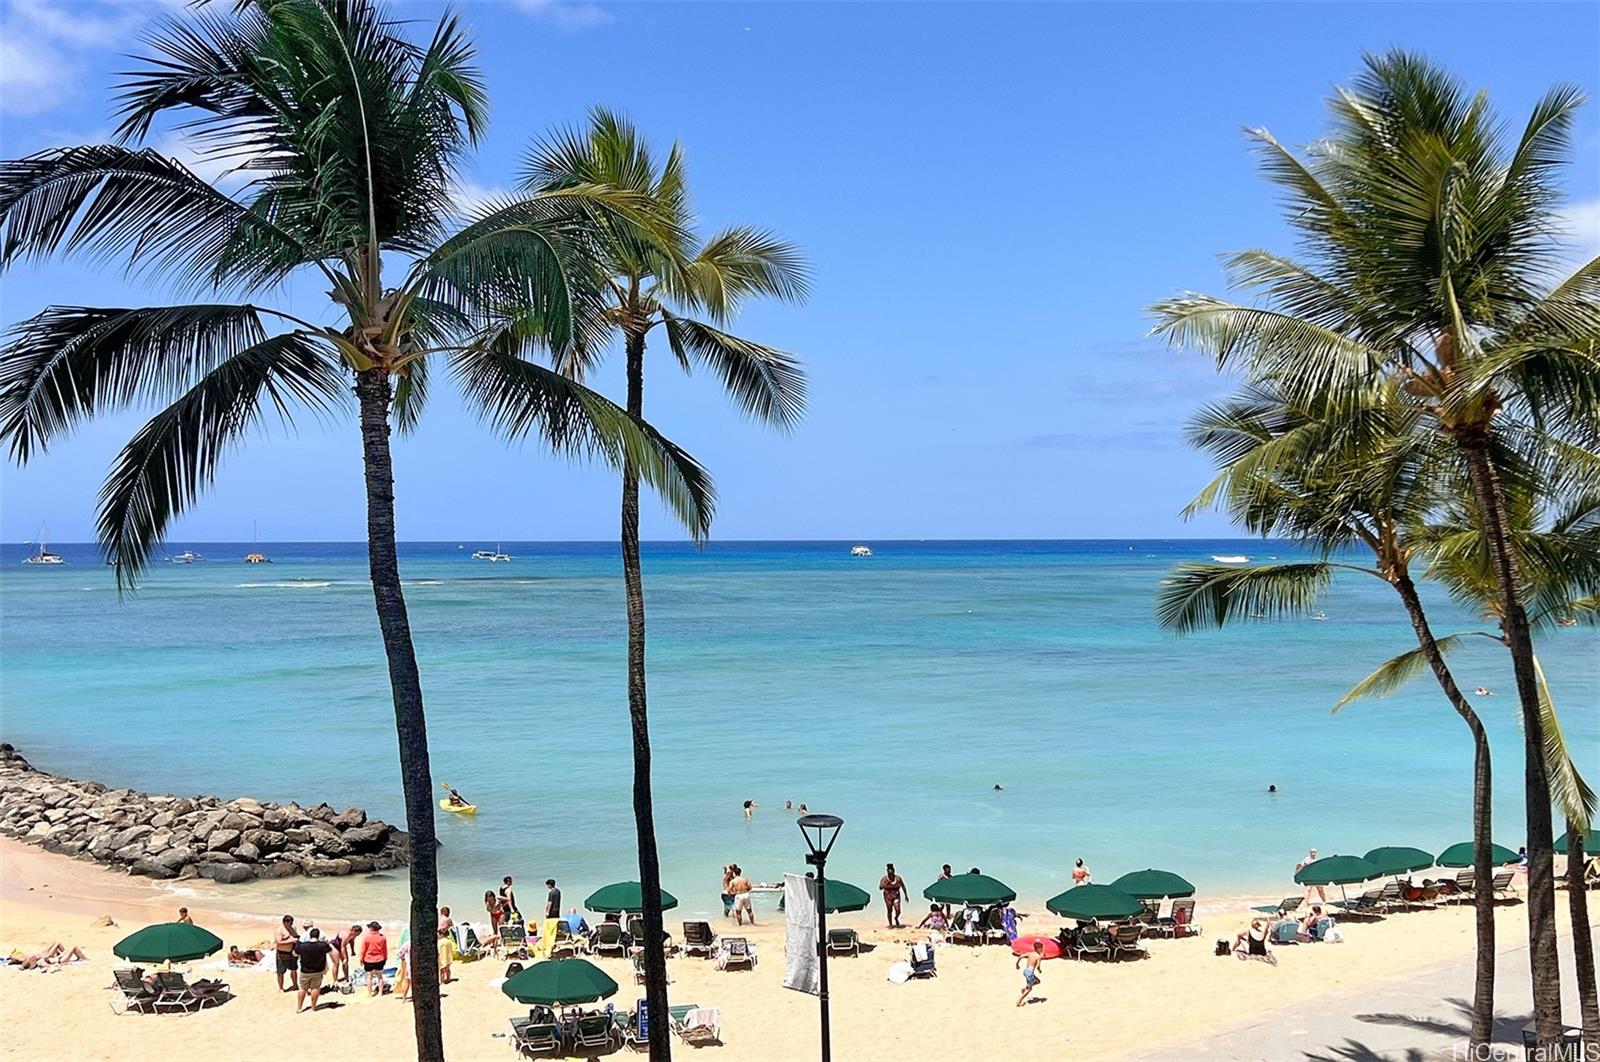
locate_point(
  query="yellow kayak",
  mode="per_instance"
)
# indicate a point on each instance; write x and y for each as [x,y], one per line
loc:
[459,809]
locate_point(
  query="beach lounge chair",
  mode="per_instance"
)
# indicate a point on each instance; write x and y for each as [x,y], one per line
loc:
[132,992]
[1150,915]
[1364,906]
[923,963]
[635,1027]
[1285,932]
[697,1025]
[843,942]
[636,931]
[994,927]
[597,1030]
[175,993]
[1124,939]
[1181,922]
[607,939]
[735,951]
[514,939]
[1092,940]
[1500,884]
[698,939]
[967,927]
[532,1036]
[1285,906]
[565,940]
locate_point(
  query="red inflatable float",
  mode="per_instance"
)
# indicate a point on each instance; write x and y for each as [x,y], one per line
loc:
[1024,945]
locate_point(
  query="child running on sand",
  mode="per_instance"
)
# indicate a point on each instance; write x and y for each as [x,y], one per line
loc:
[1030,969]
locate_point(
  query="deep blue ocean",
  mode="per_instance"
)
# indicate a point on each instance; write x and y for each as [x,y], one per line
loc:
[896,691]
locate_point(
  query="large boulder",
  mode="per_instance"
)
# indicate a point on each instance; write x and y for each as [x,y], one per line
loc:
[350,817]
[246,852]
[326,868]
[265,840]
[222,840]
[227,873]
[278,869]
[149,868]
[174,859]
[367,838]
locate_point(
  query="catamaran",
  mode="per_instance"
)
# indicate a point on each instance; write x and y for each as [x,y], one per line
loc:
[42,555]
[255,556]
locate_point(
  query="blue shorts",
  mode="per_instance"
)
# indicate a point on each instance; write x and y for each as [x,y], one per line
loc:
[1029,978]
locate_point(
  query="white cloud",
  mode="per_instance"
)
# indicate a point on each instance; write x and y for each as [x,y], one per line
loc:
[1580,222]
[568,14]
[45,45]
[470,197]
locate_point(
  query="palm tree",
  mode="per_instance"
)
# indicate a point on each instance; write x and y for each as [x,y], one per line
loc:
[1333,478]
[346,137]
[657,283]
[1428,259]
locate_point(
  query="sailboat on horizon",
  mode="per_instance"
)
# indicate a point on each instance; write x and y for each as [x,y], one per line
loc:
[493,557]
[255,556]
[41,555]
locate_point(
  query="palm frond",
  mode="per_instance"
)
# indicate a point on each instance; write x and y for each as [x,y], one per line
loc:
[736,264]
[518,398]
[174,457]
[1568,789]
[1196,596]
[70,363]
[1397,672]
[765,382]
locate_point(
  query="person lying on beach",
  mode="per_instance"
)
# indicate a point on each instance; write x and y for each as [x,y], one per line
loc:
[54,955]
[238,956]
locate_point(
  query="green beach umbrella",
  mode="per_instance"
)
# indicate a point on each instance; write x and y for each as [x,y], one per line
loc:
[843,896]
[1094,902]
[168,942]
[969,888]
[1153,885]
[1337,870]
[1399,859]
[625,896]
[1565,841]
[560,983]
[1460,855]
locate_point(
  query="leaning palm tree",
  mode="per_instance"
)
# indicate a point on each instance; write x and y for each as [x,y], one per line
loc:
[1429,257]
[690,289]
[1335,478]
[344,137]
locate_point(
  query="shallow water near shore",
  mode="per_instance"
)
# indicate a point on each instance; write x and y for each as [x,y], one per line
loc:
[895,691]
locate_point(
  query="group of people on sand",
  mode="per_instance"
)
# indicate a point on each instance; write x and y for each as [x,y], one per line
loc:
[47,958]
[305,960]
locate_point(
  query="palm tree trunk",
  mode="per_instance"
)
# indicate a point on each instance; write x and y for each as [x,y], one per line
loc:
[1482,827]
[655,959]
[1582,940]
[416,779]
[1543,958]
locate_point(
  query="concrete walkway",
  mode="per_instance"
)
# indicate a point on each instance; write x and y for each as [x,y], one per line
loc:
[1423,1017]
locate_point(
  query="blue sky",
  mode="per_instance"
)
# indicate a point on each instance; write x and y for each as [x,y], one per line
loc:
[990,195]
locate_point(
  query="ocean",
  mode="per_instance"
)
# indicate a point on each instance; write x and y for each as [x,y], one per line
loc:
[897,691]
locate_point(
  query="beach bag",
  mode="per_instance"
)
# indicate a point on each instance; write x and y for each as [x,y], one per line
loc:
[1223,948]
[512,970]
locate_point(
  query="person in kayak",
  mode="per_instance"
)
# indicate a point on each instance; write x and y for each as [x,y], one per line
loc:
[456,799]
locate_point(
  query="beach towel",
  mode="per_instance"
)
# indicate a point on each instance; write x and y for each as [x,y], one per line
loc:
[900,972]
[1008,922]
[800,933]
[547,938]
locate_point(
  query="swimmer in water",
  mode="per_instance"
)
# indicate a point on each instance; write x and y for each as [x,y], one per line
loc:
[1272,788]
[1484,691]
[997,788]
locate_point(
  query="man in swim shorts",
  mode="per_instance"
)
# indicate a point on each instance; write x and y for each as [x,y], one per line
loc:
[283,943]
[1030,969]
[313,955]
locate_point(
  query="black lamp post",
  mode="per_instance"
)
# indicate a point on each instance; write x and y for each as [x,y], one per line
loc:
[820,831]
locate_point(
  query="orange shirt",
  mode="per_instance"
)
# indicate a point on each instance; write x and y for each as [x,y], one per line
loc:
[374,947]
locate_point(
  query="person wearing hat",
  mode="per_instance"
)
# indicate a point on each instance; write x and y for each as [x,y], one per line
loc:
[374,952]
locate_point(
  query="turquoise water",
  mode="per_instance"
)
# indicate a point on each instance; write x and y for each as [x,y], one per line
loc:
[895,691]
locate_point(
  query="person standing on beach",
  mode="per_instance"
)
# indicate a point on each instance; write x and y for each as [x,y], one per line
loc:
[893,887]
[313,954]
[1029,963]
[740,888]
[283,943]
[727,893]
[374,957]
[446,953]
[1311,857]
[508,901]
[491,903]
[552,899]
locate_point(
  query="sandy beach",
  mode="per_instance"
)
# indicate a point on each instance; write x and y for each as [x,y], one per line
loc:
[1083,1010]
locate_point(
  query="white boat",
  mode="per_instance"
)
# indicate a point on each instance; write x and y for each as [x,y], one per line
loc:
[41,555]
[188,556]
[255,556]
[860,551]
[1231,558]
[493,556]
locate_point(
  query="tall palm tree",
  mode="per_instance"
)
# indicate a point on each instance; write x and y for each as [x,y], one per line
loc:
[1429,258]
[1334,478]
[346,137]
[659,283]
